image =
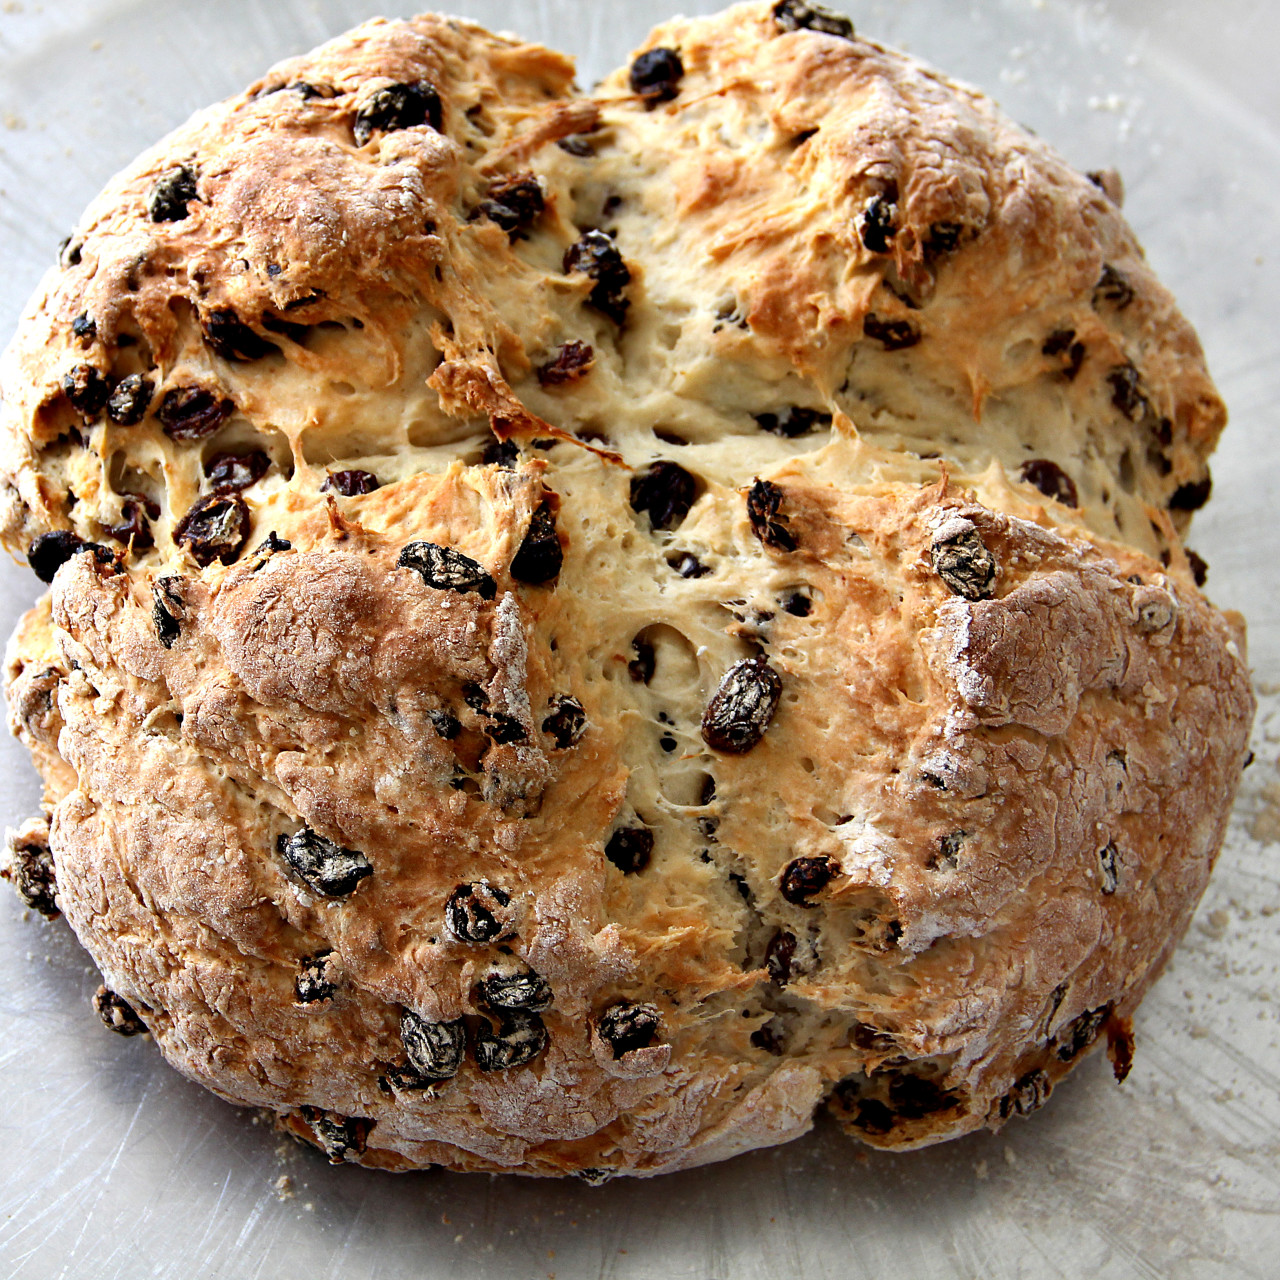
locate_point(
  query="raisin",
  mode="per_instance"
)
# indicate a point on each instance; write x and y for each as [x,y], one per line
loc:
[1112,287]
[577,144]
[779,955]
[630,848]
[398,106]
[338,1136]
[500,453]
[571,362]
[191,413]
[742,707]
[878,224]
[34,878]
[170,195]
[525,990]
[804,877]
[322,864]
[1029,1093]
[167,608]
[655,75]
[793,422]
[961,559]
[797,604]
[271,544]
[1191,496]
[447,570]
[643,665]
[1107,865]
[50,551]
[566,722]
[503,729]
[1051,480]
[232,339]
[764,500]
[948,855]
[1199,568]
[69,254]
[514,202]
[117,1013]
[687,565]
[541,556]
[134,529]
[625,1027]
[1126,392]
[476,913]
[1062,344]
[1081,1032]
[128,402]
[85,328]
[86,388]
[596,256]
[446,725]
[434,1049]
[215,528]
[231,472]
[666,491]
[520,1037]
[892,335]
[350,484]
[914,1097]
[315,979]
[797,15]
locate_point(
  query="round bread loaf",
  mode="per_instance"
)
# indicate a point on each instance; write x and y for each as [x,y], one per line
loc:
[585,628]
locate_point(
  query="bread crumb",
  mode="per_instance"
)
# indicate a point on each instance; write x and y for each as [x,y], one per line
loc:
[1009,1157]
[980,1170]
[284,1187]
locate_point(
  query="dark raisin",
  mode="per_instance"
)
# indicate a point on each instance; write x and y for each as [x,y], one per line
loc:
[1029,1093]
[778,957]
[1108,868]
[655,75]
[191,413]
[1191,496]
[445,724]
[134,529]
[447,570]
[892,335]
[85,328]
[69,254]
[797,15]
[520,1037]
[117,1013]
[500,453]
[271,544]
[86,388]
[128,403]
[1199,568]
[764,500]
[398,106]
[434,1049]
[630,849]
[350,484]
[643,665]
[625,1027]
[514,202]
[232,339]
[338,1136]
[687,565]
[34,878]
[525,990]
[914,1097]
[1112,287]
[1051,480]
[1081,1032]
[50,551]
[948,855]
[793,422]
[167,607]
[476,913]
[322,864]
[476,698]
[1126,392]
[742,707]
[503,729]
[215,528]
[170,195]
[315,980]
[541,556]
[804,877]
[571,362]
[878,224]
[577,144]
[595,255]
[797,604]
[566,722]
[768,1039]
[1062,345]
[962,561]
[666,491]
[231,472]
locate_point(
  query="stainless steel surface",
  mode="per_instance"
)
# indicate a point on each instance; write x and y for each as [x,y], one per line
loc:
[113,1166]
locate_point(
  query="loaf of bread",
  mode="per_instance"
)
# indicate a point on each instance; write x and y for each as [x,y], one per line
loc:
[582,629]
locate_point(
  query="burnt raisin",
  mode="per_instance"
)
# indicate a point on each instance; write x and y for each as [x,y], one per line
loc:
[1081,1032]
[1062,344]
[520,1037]
[128,403]
[525,990]
[322,864]
[625,1027]
[447,570]
[596,256]
[764,500]
[804,877]
[167,608]
[1051,480]
[779,955]
[134,529]
[34,878]
[630,849]
[477,913]
[338,1136]
[232,339]
[1108,867]
[350,484]
[665,491]
[571,362]
[878,224]
[398,106]
[1199,568]
[687,565]
[892,335]
[85,328]
[514,202]
[191,413]
[655,75]
[961,559]
[1191,496]
[117,1013]
[231,472]
[541,556]
[500,453]
[742,707]
[797,15]
[215,528]
[434,1049]
[315,980]
[566,722]
[1126,392]
[643,665]
[50,551]
[170,195]
[914,1097]
[86,388]
[798,605]
[793,422]
[1112,287]
[1029,1093]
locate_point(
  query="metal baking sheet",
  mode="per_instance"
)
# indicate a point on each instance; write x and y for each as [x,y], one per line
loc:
[114,1166]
